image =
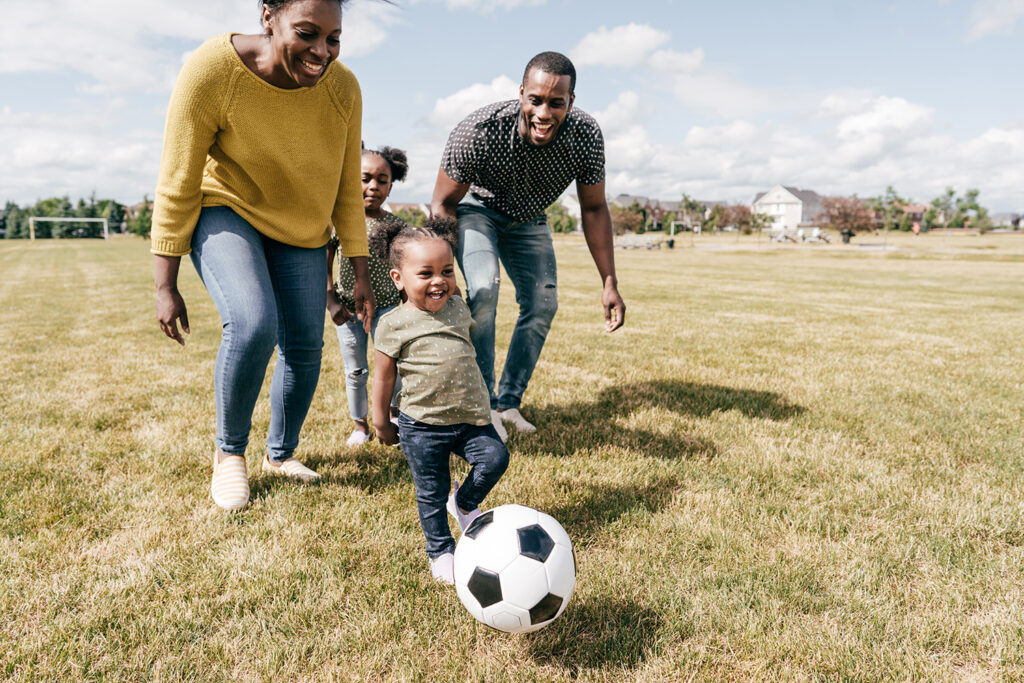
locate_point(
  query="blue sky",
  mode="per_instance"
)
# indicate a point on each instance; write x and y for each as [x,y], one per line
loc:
[718,100]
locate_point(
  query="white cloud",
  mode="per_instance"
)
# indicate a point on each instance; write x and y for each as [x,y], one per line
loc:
[123,45]
[487,6]
[448,111]
[623,46]
[677,62]
[620,114]
[994,17]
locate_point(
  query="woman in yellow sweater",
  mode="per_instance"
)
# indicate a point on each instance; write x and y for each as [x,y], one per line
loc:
[261,155]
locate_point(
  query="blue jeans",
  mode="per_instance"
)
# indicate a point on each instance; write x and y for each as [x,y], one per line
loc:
[427,448]
[267,294]
[352,339]
[526,251]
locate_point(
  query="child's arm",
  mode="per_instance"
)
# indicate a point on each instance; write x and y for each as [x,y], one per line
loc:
[385,369]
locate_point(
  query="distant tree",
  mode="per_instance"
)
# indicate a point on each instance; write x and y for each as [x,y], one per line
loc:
[142,222]
[625,219]
[642,214]
[559,219]
[975,215]
[942,210]
[412,216]
[846,214]
[715,219]
[692,211]
[667,219]
[889,208]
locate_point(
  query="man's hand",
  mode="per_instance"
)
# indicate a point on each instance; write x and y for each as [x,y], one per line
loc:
[614,307]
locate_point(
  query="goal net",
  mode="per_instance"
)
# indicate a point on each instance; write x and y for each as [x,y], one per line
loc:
[82,232]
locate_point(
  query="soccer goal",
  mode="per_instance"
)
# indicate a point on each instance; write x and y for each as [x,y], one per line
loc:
[65,219]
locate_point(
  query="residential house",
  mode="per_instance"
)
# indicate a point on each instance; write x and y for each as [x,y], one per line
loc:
[1006,220]
[787,207]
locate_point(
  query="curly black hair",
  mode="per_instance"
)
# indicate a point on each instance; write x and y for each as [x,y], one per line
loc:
[397,160]
[388,242]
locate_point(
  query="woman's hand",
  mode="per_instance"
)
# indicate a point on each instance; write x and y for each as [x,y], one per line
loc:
[170,307]
[362,292]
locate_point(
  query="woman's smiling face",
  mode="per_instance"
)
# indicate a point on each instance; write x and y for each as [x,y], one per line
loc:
[305,37]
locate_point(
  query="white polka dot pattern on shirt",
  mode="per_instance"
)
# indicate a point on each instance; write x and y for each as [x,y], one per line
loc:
[507,174]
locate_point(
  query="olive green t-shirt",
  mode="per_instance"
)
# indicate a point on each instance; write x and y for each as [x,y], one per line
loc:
[441,383]
[384,290]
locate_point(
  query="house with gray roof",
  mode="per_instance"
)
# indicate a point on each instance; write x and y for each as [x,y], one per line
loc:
[787,207]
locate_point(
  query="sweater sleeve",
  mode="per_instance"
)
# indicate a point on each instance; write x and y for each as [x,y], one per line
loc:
[347,217]
[193,119]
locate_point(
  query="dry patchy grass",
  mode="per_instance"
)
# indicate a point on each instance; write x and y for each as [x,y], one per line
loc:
[794,463]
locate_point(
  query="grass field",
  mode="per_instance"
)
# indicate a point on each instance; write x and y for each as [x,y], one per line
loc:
[793,463]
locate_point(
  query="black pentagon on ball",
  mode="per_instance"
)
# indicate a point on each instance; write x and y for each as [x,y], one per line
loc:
[535,543]
[478,524]
[485,587]
[546,609]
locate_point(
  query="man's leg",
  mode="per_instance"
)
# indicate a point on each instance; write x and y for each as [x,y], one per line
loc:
[529,259]
[477,254]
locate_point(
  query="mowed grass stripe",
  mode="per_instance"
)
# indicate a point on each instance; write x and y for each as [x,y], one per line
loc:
[793,463]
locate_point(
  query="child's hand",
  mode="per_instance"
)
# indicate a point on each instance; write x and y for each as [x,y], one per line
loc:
[339,314]
[387,433]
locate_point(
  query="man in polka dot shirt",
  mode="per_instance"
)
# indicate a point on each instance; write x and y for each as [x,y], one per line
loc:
[513,159]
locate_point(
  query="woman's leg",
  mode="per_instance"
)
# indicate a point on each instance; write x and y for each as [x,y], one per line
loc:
[229,256]
[298,276]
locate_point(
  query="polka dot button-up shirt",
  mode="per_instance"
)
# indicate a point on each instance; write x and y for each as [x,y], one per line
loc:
[508,174]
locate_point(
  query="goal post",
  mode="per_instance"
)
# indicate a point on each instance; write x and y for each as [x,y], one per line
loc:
[65,219]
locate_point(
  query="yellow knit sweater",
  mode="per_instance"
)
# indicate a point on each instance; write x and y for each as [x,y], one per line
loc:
[287,161]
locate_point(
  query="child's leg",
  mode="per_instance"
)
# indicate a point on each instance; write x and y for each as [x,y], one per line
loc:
[352,340]
[484,451]
[427,448]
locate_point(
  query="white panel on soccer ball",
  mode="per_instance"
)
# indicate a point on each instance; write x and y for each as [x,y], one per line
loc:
[561,572]
[465,559]
[506,617]
[468,601]
[515,515]
[524,582]
[554,530]
[495,547]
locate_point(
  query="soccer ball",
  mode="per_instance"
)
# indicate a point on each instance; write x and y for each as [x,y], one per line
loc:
[515,569]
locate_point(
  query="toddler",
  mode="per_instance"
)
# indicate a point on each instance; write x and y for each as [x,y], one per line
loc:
[444,406]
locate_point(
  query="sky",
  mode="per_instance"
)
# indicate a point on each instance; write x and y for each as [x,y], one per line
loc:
[716,100]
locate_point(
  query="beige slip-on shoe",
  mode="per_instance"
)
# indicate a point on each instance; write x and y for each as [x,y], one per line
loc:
[291,468]
[230,484]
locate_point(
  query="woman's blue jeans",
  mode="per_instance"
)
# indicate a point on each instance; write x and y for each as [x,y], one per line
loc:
[268,294]
[526,251]
[353,341]
[427,448]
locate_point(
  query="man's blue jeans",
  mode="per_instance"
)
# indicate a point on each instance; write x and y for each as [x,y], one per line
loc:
[267,294]
[526,251]
[427,448]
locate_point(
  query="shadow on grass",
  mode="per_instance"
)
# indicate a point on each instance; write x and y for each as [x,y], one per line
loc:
[607,633]
[563,430]
[369,469]
[594,507]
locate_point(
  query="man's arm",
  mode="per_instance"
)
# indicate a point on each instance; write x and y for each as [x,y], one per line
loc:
[447,195]
[597,228]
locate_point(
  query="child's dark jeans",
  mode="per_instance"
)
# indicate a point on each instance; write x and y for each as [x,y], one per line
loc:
[427,448]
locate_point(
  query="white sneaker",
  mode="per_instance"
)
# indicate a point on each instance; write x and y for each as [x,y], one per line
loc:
[498,427]
[518,421]
[357,438]
[464,519]
[442,568]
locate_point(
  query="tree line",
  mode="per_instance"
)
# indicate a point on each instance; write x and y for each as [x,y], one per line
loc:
[14,221]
